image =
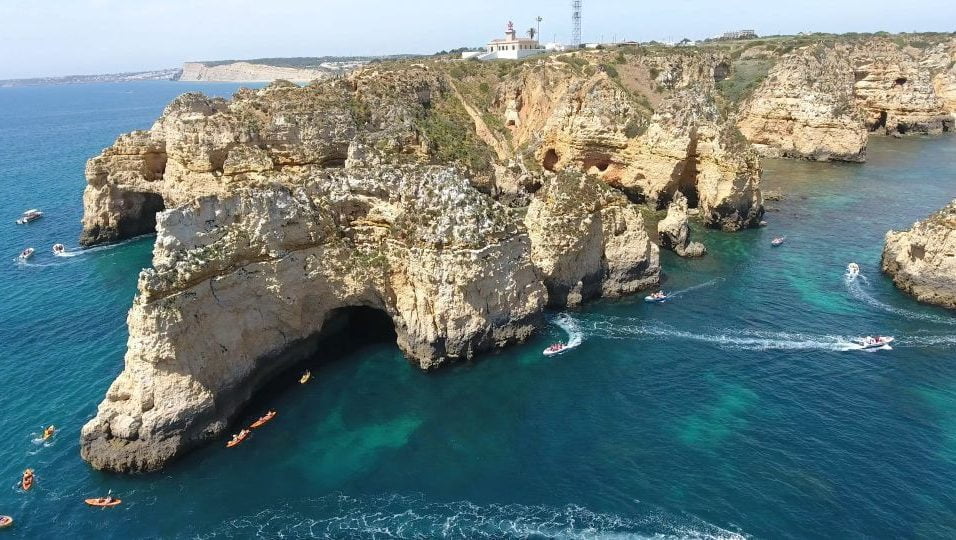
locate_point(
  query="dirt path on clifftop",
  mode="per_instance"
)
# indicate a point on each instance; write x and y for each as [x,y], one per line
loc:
[481,128]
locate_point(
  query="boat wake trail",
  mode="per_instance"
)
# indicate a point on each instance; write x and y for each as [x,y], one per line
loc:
[397,516]
[749,340]
[710,283]
[856,290]
[571,327]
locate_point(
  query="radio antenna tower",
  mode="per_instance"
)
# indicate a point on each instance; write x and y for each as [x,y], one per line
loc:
[576,23]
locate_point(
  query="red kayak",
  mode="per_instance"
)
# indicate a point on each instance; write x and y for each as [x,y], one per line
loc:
[238,438]
[263,420]
[104,502]
[27,482]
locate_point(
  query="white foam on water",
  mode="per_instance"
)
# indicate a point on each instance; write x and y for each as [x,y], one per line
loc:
[710,283]
[570,327]
[857,291]
[396,516]
[726,339]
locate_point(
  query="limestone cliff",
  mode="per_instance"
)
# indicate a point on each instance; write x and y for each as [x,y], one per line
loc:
[805,108]
[458,204]
[821,100]
[922,260]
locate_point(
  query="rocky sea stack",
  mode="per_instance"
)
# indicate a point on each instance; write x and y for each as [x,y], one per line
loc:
[922,260]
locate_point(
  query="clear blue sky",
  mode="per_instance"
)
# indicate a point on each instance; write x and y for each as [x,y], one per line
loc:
[61,37]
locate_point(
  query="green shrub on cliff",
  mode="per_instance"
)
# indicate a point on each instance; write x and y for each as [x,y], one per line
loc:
[745,77]
[450,135]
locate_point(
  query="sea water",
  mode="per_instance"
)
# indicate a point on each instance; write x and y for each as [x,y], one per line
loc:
[739,408]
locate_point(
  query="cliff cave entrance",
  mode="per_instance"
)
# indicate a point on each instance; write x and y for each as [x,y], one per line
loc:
[687,173]
[880,122]
[141,219]
[550,159]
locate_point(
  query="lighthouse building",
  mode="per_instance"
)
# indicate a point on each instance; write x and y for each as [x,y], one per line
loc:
[511,47]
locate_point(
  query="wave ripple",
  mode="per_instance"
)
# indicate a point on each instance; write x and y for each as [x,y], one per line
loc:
[398,516]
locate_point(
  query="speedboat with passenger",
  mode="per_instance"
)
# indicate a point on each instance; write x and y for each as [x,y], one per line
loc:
[30,215]
[874,342]
[26,254]
[778,241]
[59,249]
[555,349]
[659,297]
[852,270]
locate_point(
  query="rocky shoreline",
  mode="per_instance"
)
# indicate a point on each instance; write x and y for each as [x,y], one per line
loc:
[922,259]
[460,199]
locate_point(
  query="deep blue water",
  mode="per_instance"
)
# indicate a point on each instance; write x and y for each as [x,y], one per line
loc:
[734,410]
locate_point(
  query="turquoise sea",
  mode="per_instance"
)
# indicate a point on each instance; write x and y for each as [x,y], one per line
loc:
[736,410]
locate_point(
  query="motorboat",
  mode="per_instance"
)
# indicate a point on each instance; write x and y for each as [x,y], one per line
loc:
[59,249]
[659,297]
[30,215]
[555,349]
[26,254]
[305,377]
[778,241]
[852,270]
[874,342]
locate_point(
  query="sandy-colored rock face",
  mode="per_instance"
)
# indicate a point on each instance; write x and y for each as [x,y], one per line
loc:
[241,283]
[674,230]
[922,260]
[805,108]
[588,241]
[592,124]
[821,101]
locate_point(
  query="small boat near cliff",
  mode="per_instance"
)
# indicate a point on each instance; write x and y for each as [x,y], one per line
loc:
[238,438]
[263,420]
[59,249]
[305,377]
[5,521]
[657,298]
[29,216]
[26,254]
[778,241]
[49,432]
[852,270]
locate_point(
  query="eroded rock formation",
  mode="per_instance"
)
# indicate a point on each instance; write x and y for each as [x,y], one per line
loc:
[674,230]
[822,100]
[457,208]
[922,260]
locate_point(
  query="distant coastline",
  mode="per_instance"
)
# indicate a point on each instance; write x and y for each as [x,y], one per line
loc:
[302,69]
[171,74]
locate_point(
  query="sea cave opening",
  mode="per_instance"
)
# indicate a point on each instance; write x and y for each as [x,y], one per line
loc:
[880,122]
[141,219]
[346,331]
[900,81]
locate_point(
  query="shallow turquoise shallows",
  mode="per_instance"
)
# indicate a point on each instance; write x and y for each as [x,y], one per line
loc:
[739,408]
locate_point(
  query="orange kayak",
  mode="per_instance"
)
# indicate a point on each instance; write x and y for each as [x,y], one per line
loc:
[5,521]
[103,502]
[238,438]
[263,420]
[27,482]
